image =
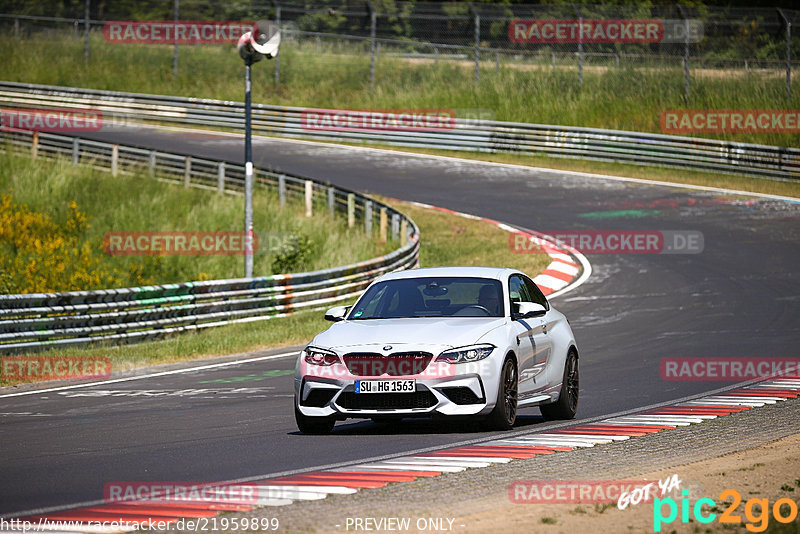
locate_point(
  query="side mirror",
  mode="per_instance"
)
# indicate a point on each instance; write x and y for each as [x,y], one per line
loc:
[336,314]
[529,309]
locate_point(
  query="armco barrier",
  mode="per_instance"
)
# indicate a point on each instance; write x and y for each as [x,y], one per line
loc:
[37,321]
[485,136]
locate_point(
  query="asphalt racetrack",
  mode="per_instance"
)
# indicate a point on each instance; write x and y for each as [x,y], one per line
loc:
[739,297]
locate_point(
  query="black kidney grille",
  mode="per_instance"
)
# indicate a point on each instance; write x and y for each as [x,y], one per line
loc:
[397,364]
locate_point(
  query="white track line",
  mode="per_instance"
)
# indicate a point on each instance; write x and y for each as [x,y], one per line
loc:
[150,375]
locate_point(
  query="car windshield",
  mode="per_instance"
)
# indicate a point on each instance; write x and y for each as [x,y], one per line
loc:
[431,297]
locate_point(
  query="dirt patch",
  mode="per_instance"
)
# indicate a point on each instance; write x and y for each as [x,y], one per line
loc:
[770,471]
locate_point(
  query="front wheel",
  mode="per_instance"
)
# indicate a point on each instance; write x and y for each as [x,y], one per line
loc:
[567,404]
[313,425]
[505,409]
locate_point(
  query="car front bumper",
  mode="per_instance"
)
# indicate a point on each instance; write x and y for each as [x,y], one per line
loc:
[457,395]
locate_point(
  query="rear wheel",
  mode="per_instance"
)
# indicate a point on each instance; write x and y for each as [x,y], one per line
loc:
[313,425]
[505,409]
[567,404]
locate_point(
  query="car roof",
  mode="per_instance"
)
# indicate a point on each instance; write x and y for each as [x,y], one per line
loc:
[497,273]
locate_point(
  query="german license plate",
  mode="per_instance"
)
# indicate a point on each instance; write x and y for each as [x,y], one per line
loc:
[385,386]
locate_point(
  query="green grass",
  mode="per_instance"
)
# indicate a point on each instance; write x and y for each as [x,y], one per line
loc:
[446,240]
[136,203]
[631,97]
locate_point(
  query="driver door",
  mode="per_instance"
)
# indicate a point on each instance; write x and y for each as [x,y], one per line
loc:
[531,337]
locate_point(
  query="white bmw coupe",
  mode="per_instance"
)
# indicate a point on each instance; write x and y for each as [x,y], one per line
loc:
[446,341]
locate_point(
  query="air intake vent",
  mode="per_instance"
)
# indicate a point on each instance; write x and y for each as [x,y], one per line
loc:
[350,400]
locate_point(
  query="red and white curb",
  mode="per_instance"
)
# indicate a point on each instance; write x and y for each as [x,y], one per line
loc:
[317,485]
[568,268]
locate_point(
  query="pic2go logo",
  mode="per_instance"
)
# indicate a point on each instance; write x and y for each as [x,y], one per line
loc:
[756,511]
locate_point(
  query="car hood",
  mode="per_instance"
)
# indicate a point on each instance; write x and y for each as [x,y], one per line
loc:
[437,333]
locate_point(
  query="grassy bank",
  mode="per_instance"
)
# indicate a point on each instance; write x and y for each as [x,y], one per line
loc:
[55,216]
[630,97]
[446,240]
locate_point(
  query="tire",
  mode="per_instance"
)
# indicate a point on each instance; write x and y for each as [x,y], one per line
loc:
[567,404]
[313,425]
[505,409]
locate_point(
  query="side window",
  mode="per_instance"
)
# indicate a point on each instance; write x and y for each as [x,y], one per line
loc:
[536,294]
[517,291]
[368,304]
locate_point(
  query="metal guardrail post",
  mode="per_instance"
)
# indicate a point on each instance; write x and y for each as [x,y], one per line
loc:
[309,198]
[221,177]
[114,159]
[788,53]
[477,42]
[373,22]
[282,189]
[580,44]
[351,210]
[86,16]
[187,171]
[395,225]
[383,225]
[151,164]
[76,151]
[331,200]
[175,45]
[368,217]
[277,56]
[686,86]
[16,28]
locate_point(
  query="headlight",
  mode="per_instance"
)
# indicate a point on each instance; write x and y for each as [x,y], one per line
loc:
[473,353]
[316,356]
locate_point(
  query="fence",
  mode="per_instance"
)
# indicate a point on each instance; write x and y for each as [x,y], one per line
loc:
[690,40]
[38,321]
[481,135]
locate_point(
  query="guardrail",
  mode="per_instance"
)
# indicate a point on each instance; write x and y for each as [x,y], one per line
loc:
[473,135]
[38,321]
